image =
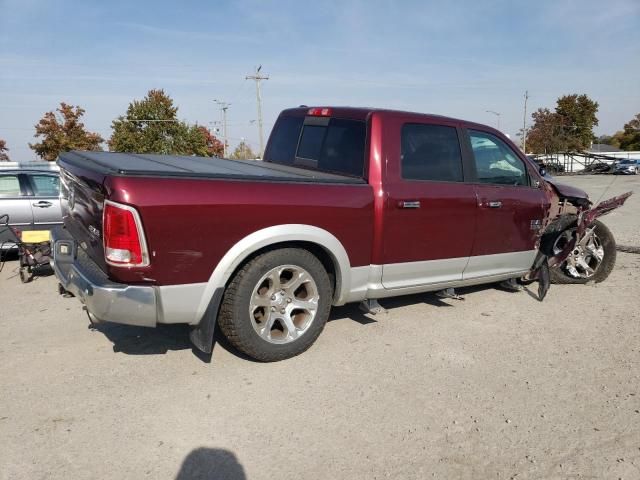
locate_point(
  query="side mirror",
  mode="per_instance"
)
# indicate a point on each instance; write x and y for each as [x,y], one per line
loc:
[543,171]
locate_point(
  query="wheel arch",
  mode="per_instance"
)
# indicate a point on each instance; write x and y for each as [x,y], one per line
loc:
[320,242]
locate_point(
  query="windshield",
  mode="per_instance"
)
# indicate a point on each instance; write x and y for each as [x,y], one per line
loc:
[332,145]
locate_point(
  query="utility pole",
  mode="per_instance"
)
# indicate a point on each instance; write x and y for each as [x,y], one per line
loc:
[224,106]
[524,123]
[258,78]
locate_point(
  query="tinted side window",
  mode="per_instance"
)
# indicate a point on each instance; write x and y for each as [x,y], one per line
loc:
[431,152]
[495,162]
[9,186]
[284,140]
[45,185]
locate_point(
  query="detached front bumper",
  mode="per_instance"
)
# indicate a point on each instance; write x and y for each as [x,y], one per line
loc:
[105,300]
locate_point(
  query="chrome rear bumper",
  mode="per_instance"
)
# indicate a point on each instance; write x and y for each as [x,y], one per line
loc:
[106,300]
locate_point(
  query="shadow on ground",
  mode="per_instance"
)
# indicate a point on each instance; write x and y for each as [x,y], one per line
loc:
[133,340]
[352,311]
[211,464]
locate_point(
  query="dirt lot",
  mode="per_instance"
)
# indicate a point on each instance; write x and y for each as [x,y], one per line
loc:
[496,386]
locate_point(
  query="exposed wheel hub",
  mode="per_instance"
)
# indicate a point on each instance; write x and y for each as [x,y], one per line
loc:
[585,258]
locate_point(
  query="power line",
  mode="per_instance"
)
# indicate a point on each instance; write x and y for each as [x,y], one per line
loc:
[258,78]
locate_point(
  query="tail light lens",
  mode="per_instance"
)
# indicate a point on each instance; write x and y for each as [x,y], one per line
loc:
[124,243]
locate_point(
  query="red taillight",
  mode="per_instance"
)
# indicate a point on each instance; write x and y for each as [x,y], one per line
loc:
[123,236]
[319,112]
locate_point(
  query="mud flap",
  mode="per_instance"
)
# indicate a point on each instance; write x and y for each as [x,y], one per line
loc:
[540,272]
[201,335]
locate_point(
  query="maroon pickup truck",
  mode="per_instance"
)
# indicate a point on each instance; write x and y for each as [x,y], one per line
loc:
[349,205]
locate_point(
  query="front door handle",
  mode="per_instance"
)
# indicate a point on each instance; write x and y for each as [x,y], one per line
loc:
[490,204]
[409,204]
[42,204]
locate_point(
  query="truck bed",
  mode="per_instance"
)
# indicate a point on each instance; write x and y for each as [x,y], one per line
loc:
[150,165]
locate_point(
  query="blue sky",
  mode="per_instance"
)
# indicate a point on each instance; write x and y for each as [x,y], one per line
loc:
[457,58]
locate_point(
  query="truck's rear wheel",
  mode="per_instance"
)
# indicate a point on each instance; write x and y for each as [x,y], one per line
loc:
[276,305]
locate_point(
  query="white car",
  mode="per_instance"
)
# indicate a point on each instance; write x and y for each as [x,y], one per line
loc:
[627,167]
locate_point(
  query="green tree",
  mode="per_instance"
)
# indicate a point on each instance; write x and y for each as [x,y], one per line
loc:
[243,152]
[629,138]
[151,125]
[62,132]
[3,151]
[579,116]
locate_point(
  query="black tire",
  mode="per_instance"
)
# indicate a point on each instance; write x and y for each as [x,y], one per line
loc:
[236,323]
[25,275]
[604,269]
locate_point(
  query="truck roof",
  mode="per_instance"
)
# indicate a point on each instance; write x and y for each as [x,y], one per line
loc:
[362,113]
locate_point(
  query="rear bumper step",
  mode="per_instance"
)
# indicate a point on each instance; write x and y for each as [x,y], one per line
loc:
[105,300]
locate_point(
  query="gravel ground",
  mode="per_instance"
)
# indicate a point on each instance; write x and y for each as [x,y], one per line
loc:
[496,386]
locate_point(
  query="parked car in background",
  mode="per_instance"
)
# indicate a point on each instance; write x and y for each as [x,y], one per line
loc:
[628,166]
[31,199]
[551,167]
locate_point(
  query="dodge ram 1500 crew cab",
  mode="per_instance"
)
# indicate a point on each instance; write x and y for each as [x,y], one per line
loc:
[349,205]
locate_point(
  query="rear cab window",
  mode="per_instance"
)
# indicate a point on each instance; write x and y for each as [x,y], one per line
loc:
[430,152]
[327,144]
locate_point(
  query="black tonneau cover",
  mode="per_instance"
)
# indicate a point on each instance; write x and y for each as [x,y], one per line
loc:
[150,165]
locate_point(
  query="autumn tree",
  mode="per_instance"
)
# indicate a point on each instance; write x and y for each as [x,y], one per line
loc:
[63,131]
[568,128]
[215,148]
[243,152]
[151,125]
[547,134]
[579,115]
[4,157]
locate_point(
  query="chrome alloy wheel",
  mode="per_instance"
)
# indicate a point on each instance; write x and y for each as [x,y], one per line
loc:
[586,256]
[284,304]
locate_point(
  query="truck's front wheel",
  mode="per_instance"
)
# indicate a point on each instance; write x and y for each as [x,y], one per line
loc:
[592,259]
[276,305]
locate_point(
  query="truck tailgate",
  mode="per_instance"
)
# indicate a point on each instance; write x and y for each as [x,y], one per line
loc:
[82,199]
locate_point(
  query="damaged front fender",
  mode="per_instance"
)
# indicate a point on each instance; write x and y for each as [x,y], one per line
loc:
[585,217]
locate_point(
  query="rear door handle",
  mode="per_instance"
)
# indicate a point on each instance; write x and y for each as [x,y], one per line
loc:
[42,204]
[495,204]
[409,204]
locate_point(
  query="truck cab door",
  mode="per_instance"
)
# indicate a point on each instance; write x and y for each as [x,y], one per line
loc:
[429,220]
[511,208]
